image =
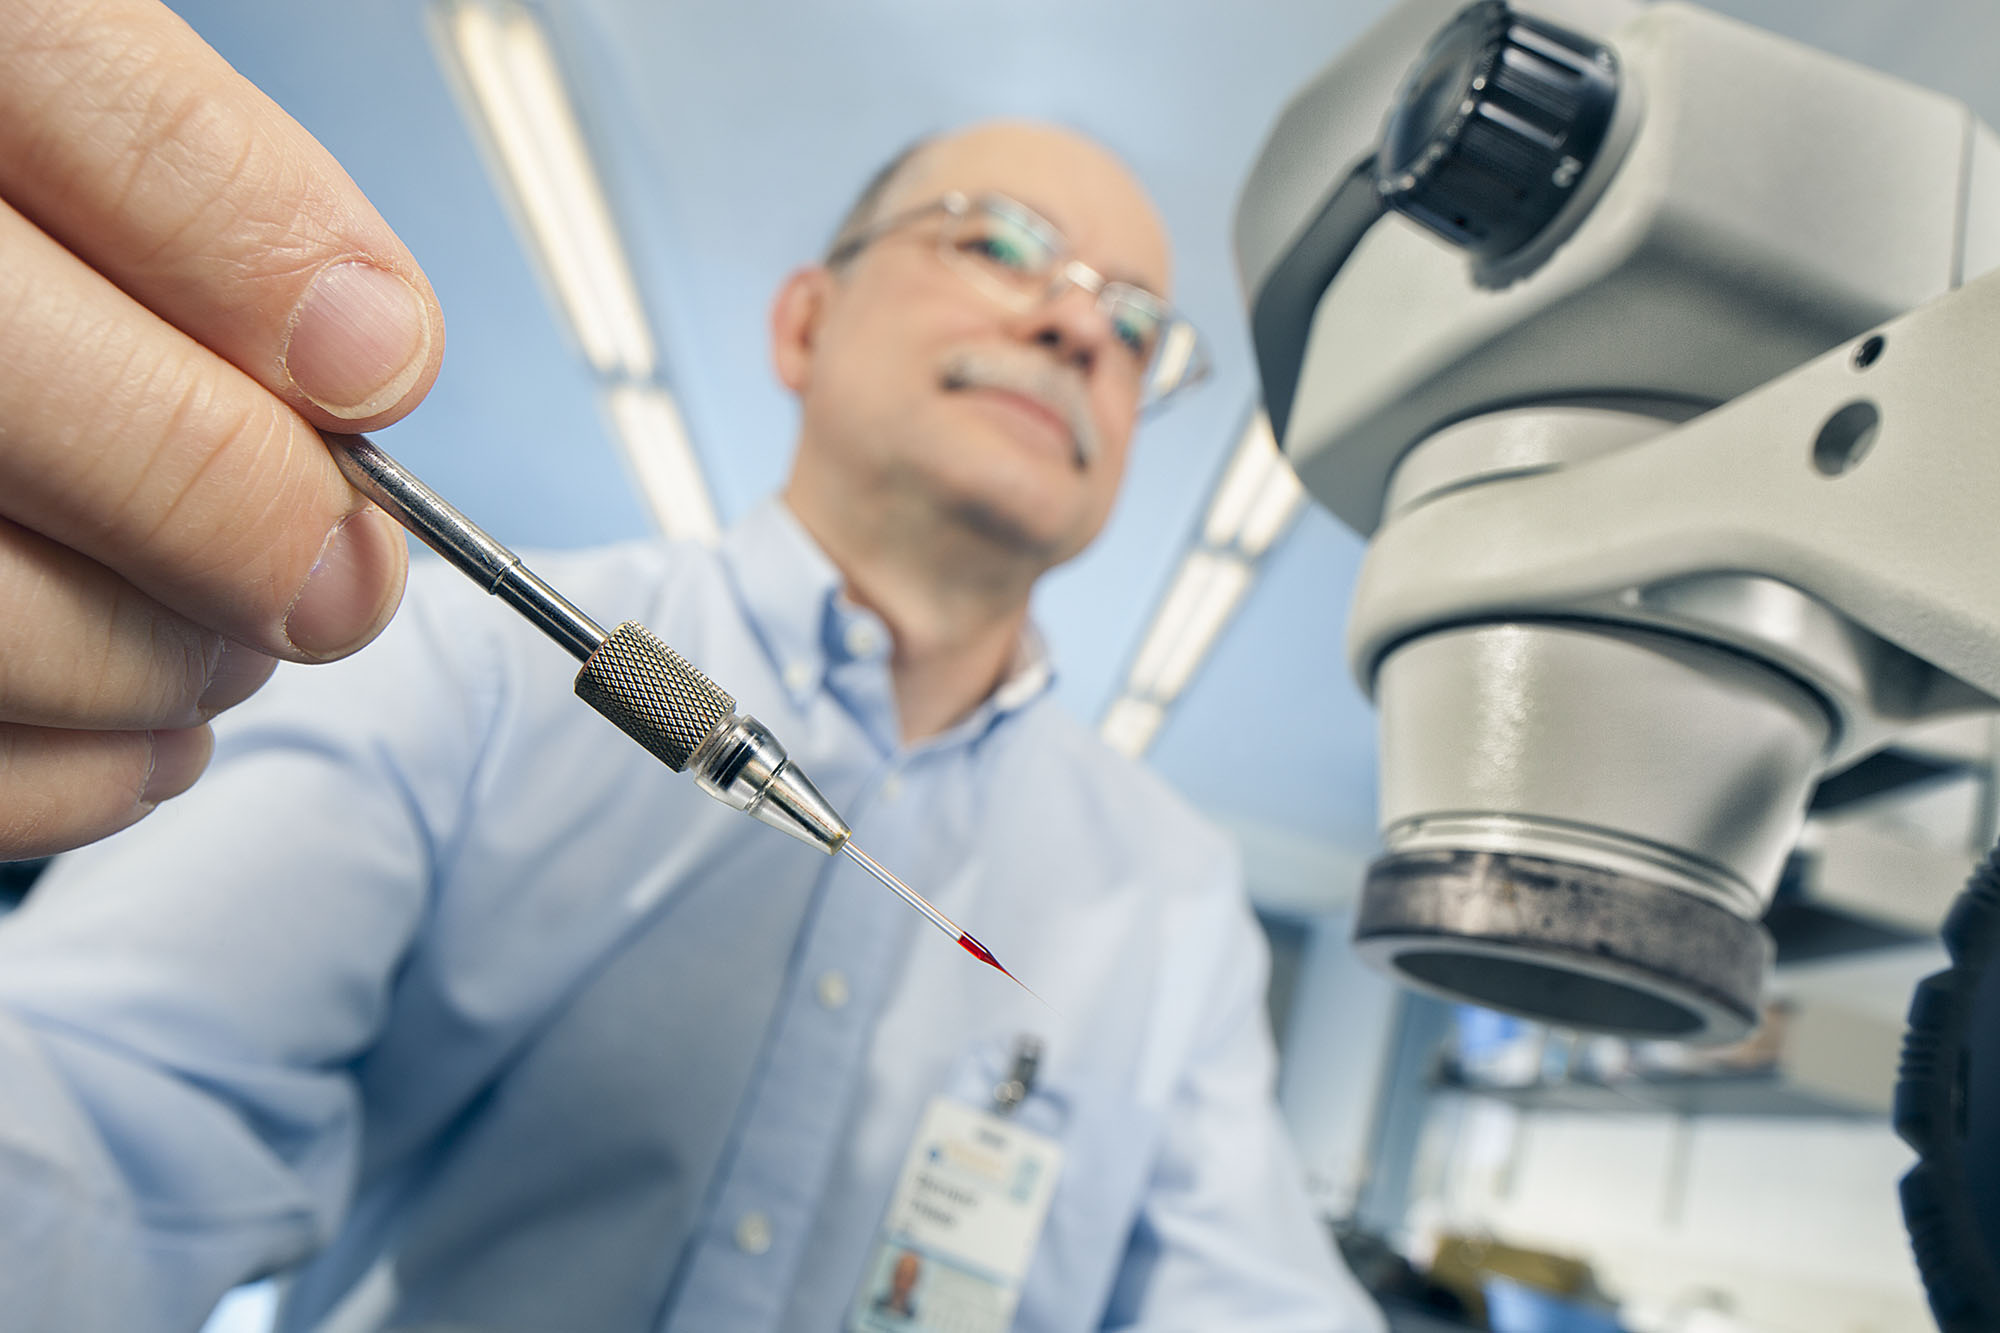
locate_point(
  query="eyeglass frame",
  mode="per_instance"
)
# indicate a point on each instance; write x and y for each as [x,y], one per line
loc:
[1066,271]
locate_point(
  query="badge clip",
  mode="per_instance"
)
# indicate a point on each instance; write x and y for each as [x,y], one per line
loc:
[1011,1091]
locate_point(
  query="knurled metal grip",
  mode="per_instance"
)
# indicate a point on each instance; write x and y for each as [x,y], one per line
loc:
[652,693]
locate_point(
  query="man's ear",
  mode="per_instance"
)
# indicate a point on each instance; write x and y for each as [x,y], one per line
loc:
[795,324]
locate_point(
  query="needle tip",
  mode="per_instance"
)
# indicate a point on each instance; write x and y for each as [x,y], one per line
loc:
[985,955]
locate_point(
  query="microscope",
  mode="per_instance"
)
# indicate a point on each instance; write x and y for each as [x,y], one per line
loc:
[1656,358]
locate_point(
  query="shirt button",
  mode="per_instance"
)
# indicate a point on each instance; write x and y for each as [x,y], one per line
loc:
[753,1233]
[832,990]
[862,640]
[892,787]
[798,676]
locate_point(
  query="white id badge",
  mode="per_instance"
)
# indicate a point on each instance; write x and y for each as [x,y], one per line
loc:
[961,1227]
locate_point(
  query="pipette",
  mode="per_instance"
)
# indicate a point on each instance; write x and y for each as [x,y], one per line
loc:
[936,918]
[649,691]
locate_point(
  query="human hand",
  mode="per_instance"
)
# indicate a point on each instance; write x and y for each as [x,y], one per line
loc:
[189,285]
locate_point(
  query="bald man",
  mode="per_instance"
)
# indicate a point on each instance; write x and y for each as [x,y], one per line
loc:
[443,997]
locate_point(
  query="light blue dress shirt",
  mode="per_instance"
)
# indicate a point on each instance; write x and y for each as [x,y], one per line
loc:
[444,995]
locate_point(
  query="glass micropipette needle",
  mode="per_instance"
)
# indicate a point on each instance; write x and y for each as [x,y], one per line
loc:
[937,918]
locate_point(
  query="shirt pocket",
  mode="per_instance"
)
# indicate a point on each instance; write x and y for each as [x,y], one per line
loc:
[1109,1142]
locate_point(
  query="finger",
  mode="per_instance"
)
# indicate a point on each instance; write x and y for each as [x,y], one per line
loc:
[134,445]
[130,141]
[80,647]
[62,789]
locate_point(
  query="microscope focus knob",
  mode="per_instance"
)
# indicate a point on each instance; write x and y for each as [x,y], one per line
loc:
[1498,121]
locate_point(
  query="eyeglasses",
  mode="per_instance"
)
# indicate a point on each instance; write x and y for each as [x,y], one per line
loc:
[1017,257]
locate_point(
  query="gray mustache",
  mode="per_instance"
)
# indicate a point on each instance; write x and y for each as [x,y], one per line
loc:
[1031,377]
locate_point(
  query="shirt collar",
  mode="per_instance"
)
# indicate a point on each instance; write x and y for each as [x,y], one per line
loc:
[787,586]
[1030,672]
[791,592]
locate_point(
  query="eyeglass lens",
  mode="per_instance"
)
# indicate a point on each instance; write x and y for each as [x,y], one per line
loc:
[1022,260]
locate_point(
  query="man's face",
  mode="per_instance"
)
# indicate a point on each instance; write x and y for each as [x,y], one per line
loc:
[1013,422]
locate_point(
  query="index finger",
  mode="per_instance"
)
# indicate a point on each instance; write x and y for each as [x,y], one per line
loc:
[126,138]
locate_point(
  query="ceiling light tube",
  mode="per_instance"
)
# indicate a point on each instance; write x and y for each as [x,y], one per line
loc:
[1272,511]
[517,93]
[655,439]
[1242,481]
[1228,579]
[1198,604]
[1131,724]
[1168,618]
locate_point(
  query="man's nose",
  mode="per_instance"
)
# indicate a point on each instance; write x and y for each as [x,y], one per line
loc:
[1071,327]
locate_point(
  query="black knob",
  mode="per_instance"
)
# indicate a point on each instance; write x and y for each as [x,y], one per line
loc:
[1497,123]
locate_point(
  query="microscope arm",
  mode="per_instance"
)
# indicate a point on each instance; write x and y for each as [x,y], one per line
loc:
[1902,540]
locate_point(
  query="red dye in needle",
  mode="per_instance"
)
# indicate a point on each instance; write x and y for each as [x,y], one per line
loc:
[936,918]
[985,955]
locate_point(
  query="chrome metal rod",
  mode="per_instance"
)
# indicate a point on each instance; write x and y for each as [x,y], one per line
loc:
[461,542]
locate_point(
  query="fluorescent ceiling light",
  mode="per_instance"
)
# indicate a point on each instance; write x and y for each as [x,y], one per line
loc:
[1204,593]
[1242,480]
[1275,508]
[1257,497]
[517,92]
[655,438]
[1130,724]
[1255,500]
